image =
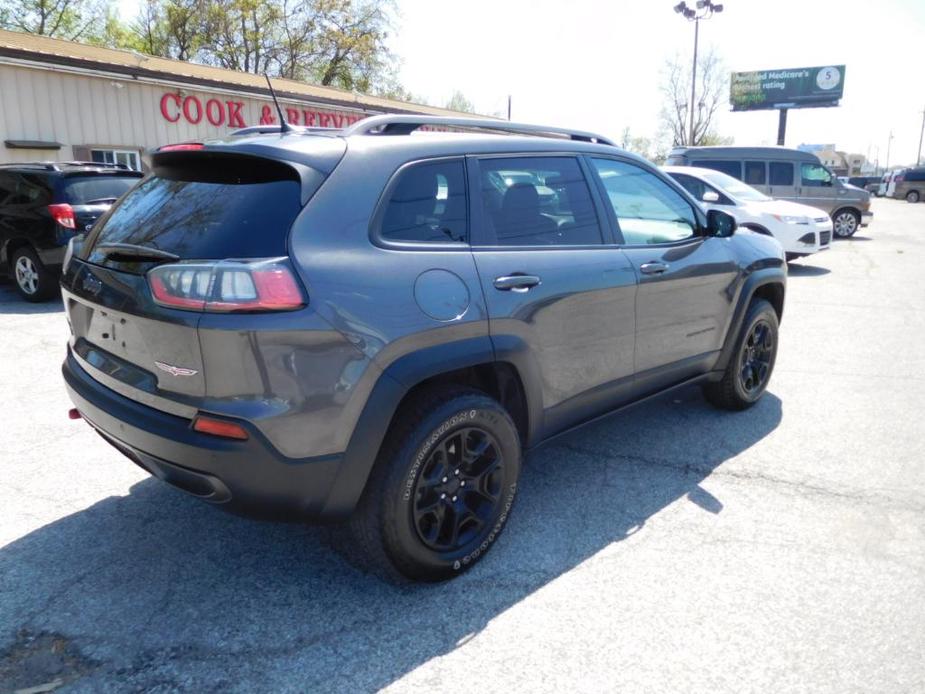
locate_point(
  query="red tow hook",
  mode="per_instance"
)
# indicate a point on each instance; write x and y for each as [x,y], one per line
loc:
[74,413]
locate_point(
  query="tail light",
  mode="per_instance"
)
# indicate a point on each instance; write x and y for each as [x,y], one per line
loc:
[219,427]
[63,214]
[227,286]
[181,147]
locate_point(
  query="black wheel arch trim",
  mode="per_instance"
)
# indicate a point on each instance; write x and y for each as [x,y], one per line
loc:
[753,282]
[397,379]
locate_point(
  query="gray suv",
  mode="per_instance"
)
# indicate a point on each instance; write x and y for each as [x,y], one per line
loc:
[373,324]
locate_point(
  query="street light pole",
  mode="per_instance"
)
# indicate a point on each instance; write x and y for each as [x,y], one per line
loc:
[704,10]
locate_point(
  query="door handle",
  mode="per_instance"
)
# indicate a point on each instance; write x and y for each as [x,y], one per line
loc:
[653,268]
[516,283]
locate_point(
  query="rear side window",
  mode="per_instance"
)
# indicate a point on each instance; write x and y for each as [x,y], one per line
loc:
[915,175]
[84,190]
[727,166]
[25,190]
[755,173]
[216,208]
[780,173]
[538,201]
[427,204]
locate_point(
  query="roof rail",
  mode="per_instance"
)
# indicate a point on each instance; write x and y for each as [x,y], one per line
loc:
[403,125]
[98,164]
[43,165]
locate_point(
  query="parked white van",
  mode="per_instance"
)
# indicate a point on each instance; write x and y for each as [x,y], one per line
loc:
[786,174]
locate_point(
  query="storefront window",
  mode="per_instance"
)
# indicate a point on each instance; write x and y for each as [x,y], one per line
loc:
[125,157]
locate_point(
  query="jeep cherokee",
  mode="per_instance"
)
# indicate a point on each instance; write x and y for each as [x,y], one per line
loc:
[372,324]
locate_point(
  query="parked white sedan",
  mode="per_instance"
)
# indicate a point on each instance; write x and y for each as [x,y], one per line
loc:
[800,229]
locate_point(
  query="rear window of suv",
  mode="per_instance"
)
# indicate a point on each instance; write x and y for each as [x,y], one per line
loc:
[232,207]
[83,190]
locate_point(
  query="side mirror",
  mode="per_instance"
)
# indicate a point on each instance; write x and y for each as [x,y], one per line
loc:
[710,196]
[720,224]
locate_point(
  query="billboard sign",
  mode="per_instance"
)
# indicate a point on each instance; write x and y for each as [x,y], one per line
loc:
[806,87]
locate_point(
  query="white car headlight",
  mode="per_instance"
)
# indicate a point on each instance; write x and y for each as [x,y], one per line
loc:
[787,219]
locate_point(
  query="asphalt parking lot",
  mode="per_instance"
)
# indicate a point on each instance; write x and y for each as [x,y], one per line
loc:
[670,548]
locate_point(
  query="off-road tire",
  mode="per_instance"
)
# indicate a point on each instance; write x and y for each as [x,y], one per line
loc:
[383,534]
[32,279]
[731,393]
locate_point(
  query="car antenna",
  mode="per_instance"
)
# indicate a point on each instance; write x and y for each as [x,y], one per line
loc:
[284,127]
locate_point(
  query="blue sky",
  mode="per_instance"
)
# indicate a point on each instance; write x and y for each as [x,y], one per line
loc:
[595,64]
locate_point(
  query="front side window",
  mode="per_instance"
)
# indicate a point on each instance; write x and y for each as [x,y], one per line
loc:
[780,173]
[755,173]
[727,166]
[648,210]
[815,175]
[427,204]
[538,201]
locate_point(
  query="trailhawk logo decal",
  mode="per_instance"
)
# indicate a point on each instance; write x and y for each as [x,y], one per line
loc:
[175,370]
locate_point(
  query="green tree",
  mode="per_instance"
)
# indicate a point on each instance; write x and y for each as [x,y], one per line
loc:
[66,19]
[459,102]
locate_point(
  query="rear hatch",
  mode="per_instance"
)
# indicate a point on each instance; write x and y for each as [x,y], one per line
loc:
[90,194]
[184,241]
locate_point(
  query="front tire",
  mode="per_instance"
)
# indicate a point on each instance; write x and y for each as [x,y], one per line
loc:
[913,196]
[845,222]
[441,490]
[33,280]
[752,362]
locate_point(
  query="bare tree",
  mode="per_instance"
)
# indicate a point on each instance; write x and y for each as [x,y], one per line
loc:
[712,90]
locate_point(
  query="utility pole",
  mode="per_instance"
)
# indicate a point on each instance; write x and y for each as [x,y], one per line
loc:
[918,157]
[509,107]
[705,9]
[889,141]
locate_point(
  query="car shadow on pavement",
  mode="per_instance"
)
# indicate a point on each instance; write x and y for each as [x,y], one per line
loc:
[11,302]
[158,590]
[798,270]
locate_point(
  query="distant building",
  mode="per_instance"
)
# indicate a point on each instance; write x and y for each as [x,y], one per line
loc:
[841,163]
[64,101]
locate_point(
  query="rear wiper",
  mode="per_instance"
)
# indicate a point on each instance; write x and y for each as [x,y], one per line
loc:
[100,201]
[131,251]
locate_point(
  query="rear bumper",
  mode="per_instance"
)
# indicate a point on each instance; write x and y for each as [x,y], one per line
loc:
[246,477]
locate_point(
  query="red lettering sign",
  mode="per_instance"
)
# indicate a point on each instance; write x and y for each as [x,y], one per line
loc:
[215,112]
[230,113]
[187,102]
[170,96]
[266,116]
[234,114]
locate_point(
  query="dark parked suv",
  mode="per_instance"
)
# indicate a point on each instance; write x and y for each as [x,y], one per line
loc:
[42,206]
[373,324]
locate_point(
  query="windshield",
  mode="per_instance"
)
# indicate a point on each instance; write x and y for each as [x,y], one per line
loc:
[84,189]
[734,187]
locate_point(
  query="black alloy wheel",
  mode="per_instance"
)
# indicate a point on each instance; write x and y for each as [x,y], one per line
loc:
[459,489]
[756,357]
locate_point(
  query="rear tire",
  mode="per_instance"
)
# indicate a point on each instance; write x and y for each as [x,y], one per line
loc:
[752,362]
[913,196]
[441,490]
[32,279]
[845,222]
